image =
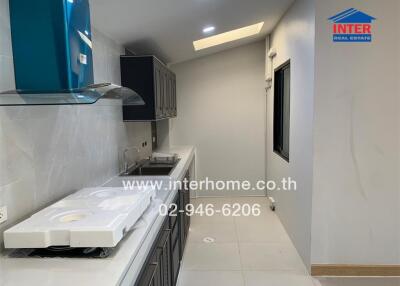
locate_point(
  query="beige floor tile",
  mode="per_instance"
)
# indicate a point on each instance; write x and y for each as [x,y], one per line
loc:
[265,228]
[262,201]
[211,256]
[264,253]
[265,215]
[210,278]
[276,278]
[270,256]
[215,201]
[217,218]
[225,232]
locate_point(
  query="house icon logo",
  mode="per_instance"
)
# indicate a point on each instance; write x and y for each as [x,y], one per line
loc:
[352,25]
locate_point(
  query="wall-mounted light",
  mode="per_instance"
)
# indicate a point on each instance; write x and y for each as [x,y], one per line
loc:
[272,53]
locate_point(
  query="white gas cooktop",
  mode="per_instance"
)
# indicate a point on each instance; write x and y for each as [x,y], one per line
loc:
[93,217]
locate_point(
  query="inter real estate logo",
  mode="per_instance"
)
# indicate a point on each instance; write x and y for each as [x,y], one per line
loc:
[352,25]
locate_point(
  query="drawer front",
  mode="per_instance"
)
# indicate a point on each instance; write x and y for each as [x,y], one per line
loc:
[172,221]
[164,259]
[174,218]
[159,274]
[175,235]
[175,263]
[149,276]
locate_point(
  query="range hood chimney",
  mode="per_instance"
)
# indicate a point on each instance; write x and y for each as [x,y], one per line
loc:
[53,62]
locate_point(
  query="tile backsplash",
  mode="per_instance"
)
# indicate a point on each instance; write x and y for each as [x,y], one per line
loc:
[7,81]
[48,152]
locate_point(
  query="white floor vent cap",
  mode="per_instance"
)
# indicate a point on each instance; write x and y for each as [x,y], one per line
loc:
[208,240]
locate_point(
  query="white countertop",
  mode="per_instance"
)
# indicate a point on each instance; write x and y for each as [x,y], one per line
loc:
[122,267]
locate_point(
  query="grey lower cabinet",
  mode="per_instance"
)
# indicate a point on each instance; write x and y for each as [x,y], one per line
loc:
[163,263]
[184,200]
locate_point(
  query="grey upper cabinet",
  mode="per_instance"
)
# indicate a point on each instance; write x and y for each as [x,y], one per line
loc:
[155,83]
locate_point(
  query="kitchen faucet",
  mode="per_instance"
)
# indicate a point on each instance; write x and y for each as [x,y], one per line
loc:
[125,159]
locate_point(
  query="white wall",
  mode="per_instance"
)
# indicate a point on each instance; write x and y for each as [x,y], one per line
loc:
[356,205]
[293,39]
[48,152]
[221,111]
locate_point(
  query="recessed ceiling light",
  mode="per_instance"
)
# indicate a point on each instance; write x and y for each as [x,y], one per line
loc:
[208,29]
[228,36]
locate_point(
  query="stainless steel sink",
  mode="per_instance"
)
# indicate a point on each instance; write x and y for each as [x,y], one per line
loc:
[151,168]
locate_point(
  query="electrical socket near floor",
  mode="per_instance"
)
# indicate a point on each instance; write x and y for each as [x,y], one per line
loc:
[3,214]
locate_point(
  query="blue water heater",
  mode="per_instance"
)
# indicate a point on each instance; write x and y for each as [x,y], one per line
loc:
[52,44]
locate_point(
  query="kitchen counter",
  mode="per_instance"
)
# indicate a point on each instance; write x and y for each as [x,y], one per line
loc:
[122,267]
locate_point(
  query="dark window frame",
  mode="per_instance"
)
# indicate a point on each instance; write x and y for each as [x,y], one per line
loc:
[280,146]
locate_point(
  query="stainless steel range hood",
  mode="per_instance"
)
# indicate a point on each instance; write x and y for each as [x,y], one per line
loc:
[101,94]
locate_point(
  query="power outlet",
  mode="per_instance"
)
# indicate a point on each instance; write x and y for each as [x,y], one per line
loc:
[3,214]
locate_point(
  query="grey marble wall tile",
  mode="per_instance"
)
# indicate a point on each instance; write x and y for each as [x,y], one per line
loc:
[5,32]
[5,40]
[47,152]
[7,79]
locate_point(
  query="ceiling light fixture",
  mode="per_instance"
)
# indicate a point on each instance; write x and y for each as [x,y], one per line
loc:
[228,36]
[208,29]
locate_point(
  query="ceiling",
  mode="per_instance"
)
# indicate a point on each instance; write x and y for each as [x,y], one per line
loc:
[167,28]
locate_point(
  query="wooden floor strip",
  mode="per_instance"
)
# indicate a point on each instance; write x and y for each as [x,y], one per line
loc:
[354,270]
